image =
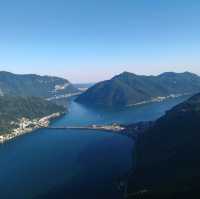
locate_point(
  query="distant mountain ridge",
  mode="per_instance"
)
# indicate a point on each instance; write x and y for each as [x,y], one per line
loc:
[34,85]
[129,89]
[167,155]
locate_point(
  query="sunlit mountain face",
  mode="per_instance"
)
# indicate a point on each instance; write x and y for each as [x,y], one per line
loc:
[128,89]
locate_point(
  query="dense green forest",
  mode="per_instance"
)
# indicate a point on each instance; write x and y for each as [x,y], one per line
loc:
[34,85]
[14,108]
[128,89]
[167,157]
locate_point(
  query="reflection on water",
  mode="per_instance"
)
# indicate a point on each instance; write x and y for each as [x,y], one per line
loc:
[59,163]
[83,115]
[73,164]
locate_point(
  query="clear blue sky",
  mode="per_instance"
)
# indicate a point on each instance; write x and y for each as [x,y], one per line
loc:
[90,40]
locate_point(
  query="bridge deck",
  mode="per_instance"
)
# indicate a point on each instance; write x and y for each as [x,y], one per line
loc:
[100,128]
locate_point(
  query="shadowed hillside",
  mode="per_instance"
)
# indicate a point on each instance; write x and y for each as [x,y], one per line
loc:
[34,85]
[167,155]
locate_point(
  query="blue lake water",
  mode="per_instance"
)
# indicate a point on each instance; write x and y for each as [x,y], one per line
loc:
[73,163]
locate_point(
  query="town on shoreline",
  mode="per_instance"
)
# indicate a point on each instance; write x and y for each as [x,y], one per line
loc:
[26,125]
[159,99]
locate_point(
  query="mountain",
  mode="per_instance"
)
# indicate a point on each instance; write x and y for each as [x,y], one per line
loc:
[129,89]
[167,157]
[34,85]
[13,108]
[83,86]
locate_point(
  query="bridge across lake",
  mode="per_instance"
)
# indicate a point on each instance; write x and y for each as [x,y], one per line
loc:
[109,128]
[93,127]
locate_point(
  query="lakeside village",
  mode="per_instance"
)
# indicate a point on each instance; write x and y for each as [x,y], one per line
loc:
[26,125]
[158,99]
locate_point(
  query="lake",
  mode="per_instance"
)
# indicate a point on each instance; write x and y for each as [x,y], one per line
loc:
[74,163]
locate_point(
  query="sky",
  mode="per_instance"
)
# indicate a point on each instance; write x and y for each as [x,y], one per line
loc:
[92,40]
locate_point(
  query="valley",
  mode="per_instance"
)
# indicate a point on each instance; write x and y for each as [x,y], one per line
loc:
[75,158]
[96,138]
[99,99]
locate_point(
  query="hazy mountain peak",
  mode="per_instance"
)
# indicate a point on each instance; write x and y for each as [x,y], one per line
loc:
[5,73]
[174,74]
[34,85]
[168,74]
[125,73]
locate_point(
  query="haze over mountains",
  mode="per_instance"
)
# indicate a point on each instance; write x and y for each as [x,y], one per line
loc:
[167,151]
[34,85]
[129,89]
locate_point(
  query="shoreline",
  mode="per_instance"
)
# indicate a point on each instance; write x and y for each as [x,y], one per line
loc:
[158,99]
[28,126]
[65,96]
